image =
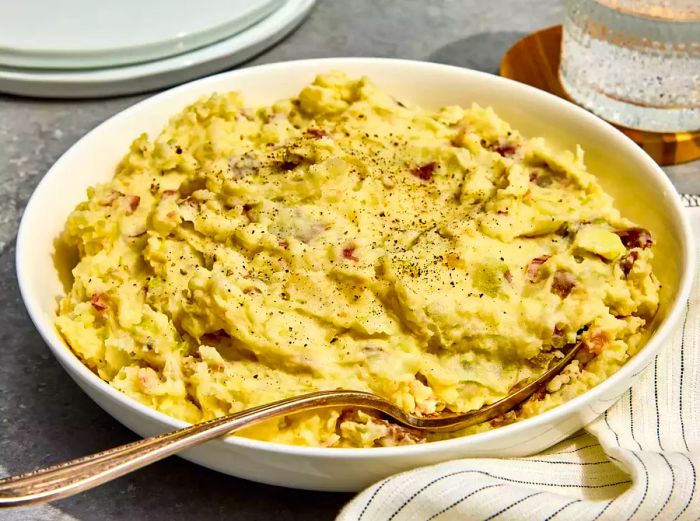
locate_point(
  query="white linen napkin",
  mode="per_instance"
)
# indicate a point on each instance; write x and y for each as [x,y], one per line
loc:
[639,461]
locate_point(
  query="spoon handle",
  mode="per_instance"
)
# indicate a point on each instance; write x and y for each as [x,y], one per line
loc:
[71,477]
[68,478]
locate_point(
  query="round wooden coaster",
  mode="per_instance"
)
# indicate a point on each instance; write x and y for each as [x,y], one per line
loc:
[535,60]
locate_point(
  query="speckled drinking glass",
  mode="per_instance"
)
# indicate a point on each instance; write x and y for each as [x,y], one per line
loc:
[634,62]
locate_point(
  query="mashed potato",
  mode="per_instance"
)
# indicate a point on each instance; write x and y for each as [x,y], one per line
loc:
[344,239]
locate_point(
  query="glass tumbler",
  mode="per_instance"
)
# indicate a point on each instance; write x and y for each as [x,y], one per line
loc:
[635,63]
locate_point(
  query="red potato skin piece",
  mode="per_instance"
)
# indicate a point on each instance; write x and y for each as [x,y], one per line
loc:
[97,301]
[505,150]
[635,238]
[315,133]
[426,171]
[113,196]
[596,341]
[627,262]
[533,269]
[563,283]
[349,253]
[133,202]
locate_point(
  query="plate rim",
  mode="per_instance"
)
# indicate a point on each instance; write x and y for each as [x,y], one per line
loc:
[147,76]
[75,59]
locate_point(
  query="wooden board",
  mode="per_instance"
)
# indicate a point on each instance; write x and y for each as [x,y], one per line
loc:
[535,60]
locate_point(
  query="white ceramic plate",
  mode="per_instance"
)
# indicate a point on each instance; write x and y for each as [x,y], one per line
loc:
[142,77]
[642,191]
[78,34]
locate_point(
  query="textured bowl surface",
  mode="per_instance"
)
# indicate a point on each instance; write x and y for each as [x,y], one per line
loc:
[641,189]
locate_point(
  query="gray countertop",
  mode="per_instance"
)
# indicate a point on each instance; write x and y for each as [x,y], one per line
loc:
[45,417]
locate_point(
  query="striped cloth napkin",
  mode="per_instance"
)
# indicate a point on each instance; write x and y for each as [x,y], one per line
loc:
[639,461]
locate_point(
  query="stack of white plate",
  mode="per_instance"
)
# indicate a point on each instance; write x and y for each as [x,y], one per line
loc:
[88,48]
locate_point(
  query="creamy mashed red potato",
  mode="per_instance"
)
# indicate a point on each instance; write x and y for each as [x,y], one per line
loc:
[344,239]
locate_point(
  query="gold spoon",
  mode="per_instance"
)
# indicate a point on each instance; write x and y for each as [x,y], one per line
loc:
[71,477]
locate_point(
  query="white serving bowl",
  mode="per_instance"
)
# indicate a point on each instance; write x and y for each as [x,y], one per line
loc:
[640,188]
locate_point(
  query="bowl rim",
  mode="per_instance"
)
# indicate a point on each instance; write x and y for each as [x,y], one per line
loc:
[77,370]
